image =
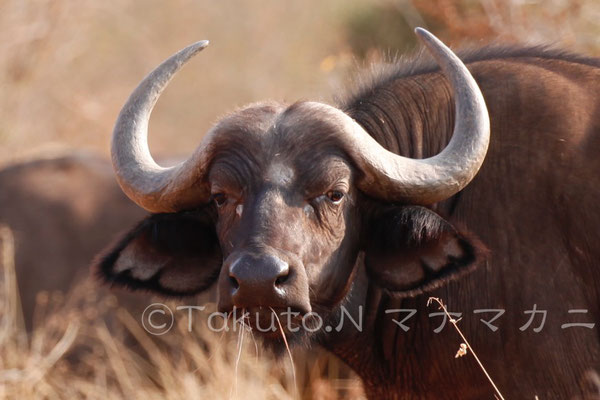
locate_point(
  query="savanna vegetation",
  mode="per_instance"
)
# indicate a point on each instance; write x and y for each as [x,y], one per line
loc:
[66,68]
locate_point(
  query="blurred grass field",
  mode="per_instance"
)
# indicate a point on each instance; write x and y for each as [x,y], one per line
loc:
[66,68]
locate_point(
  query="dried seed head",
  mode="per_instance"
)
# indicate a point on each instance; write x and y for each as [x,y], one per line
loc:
[462,350]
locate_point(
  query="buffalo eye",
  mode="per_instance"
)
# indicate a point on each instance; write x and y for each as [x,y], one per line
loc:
[335,196]
[220,199]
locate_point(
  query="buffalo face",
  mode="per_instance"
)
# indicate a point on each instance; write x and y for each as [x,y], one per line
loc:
[284,227]
[287,217]
[281,231]
[281,205]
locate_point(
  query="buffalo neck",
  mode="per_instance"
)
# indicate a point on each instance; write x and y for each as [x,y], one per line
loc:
[394,363]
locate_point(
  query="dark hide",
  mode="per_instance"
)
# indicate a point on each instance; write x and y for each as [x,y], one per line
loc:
[534,204]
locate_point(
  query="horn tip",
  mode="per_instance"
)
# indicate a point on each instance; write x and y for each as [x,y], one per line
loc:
[430,40]
[194,48]
[423,34]
[201,44]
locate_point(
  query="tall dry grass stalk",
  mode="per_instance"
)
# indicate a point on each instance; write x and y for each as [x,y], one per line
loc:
[465,347]
[11,302]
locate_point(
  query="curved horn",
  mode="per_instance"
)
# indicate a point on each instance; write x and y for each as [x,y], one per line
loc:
[155,188]
[427,181]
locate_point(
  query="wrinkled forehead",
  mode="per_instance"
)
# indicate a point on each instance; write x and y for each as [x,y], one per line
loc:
[265,133]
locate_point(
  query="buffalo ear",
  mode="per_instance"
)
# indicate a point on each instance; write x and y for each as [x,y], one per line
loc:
[169,254]
[412,249]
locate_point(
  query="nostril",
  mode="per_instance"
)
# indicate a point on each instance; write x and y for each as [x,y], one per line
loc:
[282,271]
[234,282]
[282,279]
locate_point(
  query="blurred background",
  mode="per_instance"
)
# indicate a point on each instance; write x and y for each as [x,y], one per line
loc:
[66,68]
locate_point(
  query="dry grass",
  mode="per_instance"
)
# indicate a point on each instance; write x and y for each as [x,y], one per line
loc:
[68,66]
[89,347]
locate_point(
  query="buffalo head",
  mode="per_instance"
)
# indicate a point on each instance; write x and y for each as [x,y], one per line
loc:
[280,204]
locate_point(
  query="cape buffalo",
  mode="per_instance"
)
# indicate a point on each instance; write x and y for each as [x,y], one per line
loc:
[61,209]
[370,207]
